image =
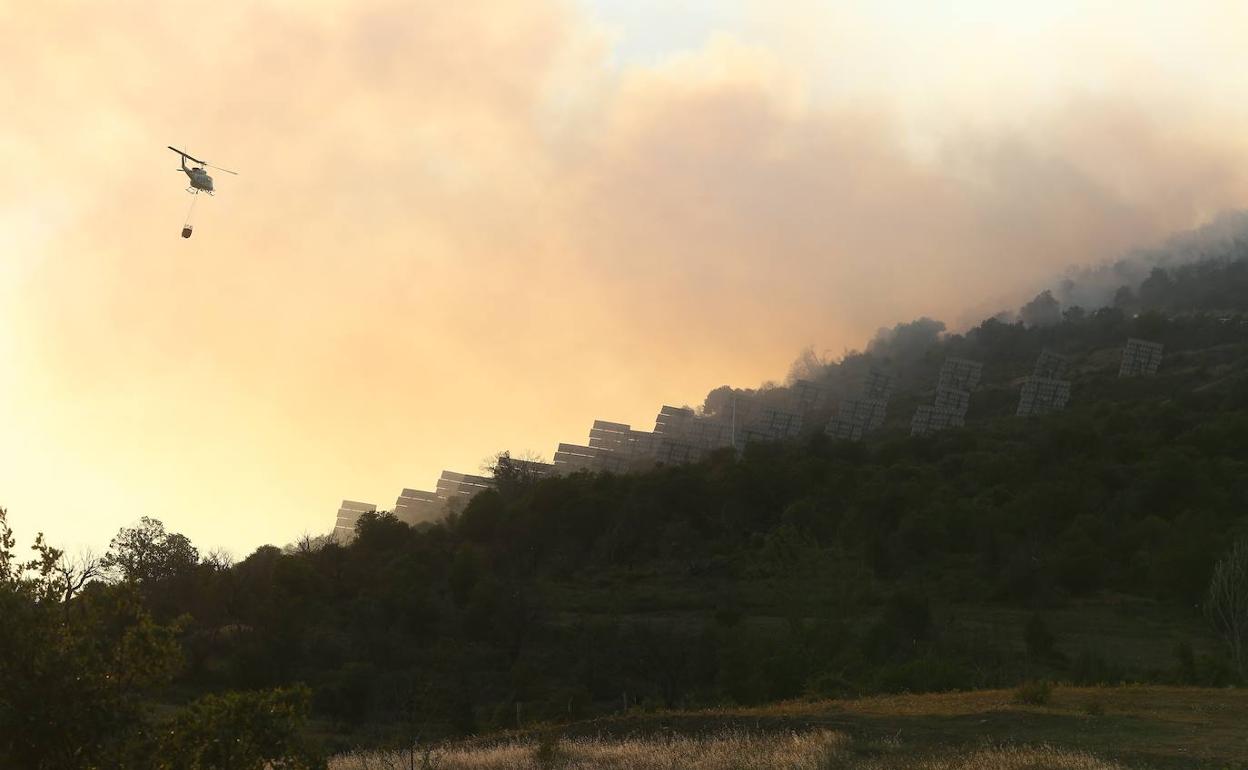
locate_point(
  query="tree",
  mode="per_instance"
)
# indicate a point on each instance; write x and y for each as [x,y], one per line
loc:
[1044,310]
[809,365]
[1227,602]
[907,341]
[146,554]
[71,684]
[1156,290]
[1074,314]
[1124,298]
[75,686]
[515,474]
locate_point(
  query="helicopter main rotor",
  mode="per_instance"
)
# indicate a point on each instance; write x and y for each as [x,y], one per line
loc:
[200,162]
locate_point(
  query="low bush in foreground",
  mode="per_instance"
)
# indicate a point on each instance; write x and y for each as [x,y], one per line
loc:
[1033,693]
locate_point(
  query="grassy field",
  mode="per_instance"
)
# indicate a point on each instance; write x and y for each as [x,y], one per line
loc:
[1145,726]
[1092,728]
[816,750]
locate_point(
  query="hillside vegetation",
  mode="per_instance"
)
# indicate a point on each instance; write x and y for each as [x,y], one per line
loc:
[1076,547]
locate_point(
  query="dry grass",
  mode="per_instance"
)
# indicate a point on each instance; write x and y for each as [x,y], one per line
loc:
[728,751]
[815,750]
[1158,702]
[1080,728]
[1005,758]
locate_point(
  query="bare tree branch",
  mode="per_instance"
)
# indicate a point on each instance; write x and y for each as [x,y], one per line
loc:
[1227,604]
[219,559]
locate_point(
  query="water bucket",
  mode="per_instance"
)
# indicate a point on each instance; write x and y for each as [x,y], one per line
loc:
[186,231]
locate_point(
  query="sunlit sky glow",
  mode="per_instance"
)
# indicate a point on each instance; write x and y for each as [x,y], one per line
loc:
[467,227]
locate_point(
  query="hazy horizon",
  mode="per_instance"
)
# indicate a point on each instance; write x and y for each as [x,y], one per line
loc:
[460,229]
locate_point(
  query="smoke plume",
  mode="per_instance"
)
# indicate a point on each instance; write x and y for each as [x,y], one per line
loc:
[460,228]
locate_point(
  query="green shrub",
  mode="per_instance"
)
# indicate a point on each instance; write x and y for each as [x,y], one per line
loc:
[241,731]
[926,674]
[828,686]
[1034,693]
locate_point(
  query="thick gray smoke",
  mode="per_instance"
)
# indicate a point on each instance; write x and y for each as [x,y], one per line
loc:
[1095,286]
[1086,289]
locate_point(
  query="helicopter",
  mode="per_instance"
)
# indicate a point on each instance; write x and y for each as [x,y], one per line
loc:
[200,181]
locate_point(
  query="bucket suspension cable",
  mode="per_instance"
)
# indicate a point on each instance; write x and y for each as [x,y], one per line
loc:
[191,210]
[186,226]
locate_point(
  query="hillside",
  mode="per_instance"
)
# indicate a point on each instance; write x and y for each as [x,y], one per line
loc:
[1075,546]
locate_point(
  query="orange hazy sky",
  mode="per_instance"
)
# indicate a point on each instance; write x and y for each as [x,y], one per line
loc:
[467,227]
